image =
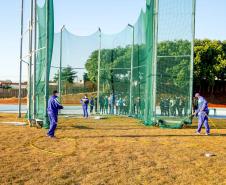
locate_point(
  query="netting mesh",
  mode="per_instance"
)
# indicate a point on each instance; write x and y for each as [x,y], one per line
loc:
[145,70]
[174,61]
[45,23]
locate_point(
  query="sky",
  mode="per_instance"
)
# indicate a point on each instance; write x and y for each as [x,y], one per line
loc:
[83,17]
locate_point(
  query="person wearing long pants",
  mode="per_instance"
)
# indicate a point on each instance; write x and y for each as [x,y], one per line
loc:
[53,107]
[202,113]
[91,105]
[203,120]
[85,103]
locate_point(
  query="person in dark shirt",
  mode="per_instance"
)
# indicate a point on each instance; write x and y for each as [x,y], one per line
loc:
[91,105]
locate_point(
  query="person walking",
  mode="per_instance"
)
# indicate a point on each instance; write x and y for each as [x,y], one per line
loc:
[202,112]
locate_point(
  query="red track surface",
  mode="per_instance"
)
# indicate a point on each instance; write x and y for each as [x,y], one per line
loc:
[217,105]
[15,101]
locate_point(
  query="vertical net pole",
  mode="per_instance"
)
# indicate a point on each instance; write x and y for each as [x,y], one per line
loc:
[35,59]
[61,57]
[192,52]
[46,68]
[30,62]
[98,73]
[21,56]
[131,72]
[155,47]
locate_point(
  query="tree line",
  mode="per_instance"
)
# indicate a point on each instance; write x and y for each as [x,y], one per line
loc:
[173,70]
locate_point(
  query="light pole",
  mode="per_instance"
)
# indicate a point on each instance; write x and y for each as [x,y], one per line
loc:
[21,56]
[192,53]
[30,61]
[61,52]
[98,73]
[155,60]
[131,73]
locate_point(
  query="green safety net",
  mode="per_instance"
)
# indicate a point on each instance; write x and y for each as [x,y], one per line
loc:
[145,70]
[174,63]
[124,88]
[43,59]
[76,51]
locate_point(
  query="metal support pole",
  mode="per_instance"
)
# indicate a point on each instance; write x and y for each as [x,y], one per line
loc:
[21,56]
[35,57]
[98,78]
[61,53]
[192,52]
[155,58]
[46,123]
[30,62]
[131,72]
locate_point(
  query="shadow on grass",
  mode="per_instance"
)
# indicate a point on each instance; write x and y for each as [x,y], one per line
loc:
[75,127]
[128,129]
[107,129]
[217,126]
[146,136]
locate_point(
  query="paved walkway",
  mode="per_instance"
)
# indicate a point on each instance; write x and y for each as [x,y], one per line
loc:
[77,110]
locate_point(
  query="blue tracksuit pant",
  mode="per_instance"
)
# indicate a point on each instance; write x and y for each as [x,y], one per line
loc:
[85,110]
[53,124]
[203,119]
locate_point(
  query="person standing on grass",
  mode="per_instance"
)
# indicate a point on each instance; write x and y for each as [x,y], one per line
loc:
[106,105]
[95,102]
[112,103]
[101,104]
[85,103]
[91,105]
[53,107]
[202,112]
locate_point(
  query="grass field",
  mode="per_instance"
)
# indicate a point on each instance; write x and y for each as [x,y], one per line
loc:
[110,151]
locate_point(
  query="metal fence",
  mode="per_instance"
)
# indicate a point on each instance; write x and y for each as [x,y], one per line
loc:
[10,93]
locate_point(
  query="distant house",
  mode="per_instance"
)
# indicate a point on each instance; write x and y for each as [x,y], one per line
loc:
[9,84]
[17,85]
[5,84]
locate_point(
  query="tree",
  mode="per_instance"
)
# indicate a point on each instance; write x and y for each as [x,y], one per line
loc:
[114,68]
[173,66]
[209,63]
[67,75]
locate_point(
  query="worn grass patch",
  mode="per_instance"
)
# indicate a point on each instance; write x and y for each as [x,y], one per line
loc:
[110,151]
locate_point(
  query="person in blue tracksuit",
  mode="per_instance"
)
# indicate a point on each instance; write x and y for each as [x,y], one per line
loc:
[85,103]
[202,112]
[53,107]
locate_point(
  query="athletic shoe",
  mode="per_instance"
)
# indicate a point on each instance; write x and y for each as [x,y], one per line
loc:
[52,137]
[198,133]
[207,134]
